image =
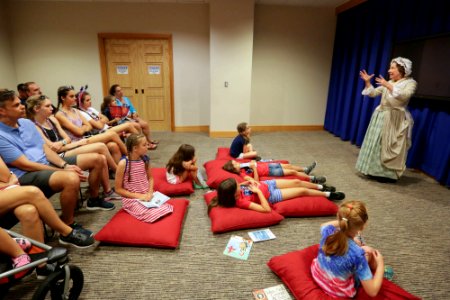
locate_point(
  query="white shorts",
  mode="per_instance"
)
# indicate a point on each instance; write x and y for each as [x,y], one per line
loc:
[172,178]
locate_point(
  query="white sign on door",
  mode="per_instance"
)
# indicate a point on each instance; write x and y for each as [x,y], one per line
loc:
[154,70]
[122,70]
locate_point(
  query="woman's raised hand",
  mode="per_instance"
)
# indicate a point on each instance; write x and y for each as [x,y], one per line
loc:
[364,76]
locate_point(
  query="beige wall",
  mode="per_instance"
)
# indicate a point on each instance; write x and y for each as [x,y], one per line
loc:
[293,47]
[7,71]
[55,43]
[231,44]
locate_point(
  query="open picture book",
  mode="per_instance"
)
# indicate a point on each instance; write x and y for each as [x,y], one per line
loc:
[277,292]
[238,247]
[157,200]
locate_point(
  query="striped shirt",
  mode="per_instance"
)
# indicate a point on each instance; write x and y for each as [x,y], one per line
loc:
[138,183]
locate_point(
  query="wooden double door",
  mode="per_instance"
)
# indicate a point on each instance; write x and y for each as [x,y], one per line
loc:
[142,66]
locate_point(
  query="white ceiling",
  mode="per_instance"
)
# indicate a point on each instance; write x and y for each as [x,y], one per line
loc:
[316,3]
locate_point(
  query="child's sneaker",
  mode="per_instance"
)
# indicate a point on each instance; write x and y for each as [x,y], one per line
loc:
[310,167]
[111,195]
[78,239]
[388,273]
[20,261]
[200,186]
[328,188]
[24,244]
[336,196]
[318,179]
[99,204]
[79,227]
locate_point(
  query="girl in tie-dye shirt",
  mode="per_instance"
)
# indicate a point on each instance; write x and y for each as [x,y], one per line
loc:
[344,263]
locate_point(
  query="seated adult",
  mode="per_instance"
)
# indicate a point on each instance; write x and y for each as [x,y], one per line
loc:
[34,163]
[40,110]
[32,88]
[98,121]
[78,128]
[29,205]
[121,100]
[22,90]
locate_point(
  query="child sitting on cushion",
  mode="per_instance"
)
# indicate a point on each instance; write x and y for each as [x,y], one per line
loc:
[182,166]
[241,147]
[260,196]
[254,170]
[134,182]
[344,263]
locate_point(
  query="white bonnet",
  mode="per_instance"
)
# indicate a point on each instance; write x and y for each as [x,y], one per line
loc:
[405,63]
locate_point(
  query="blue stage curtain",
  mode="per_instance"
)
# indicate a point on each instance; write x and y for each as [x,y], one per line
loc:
[364,39]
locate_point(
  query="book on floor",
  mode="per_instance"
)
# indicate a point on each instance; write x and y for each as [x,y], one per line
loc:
[277,292]
[261,235]
[238,247]
[157,200]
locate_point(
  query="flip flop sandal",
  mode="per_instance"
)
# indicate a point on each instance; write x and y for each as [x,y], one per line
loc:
[154,142]
[152,147]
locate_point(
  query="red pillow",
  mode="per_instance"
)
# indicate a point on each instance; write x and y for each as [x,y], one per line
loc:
[160,184]
[306,206]
[216,174]
[294,269]
[124,229]
[233,218]
[224,153]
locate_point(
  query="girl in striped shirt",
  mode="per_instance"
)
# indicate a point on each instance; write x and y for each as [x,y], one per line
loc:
[134,182]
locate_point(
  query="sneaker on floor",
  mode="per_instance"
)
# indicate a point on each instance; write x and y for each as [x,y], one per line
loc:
[310,167]
[319,179]
[79,227]
[336,196]
[328,188]
[20,261]
[77,238]
[99,204]
[24,244]
[111,195]
[43,272]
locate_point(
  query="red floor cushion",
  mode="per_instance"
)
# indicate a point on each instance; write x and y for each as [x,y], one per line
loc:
[124,229]
[294,269]
[306,206]
[216,174]
[228,219]
[160,184]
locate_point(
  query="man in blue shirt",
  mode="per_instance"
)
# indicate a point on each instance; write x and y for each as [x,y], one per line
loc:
[34,163]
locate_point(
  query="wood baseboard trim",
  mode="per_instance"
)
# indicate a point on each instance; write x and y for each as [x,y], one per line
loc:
[222,134]
[286,128]
[200,128]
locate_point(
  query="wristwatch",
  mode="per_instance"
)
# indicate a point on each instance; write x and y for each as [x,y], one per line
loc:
[64,165]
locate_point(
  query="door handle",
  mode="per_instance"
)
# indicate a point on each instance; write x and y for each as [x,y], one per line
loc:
[135,91]
[142,90]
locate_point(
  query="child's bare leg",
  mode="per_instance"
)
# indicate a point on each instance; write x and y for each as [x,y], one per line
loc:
[290,183]
[248,148]
[115,151]
[288,172]
[251,154]
[290,193]
[292,167]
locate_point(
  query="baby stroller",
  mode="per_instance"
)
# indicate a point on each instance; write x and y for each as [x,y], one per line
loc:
[65,282]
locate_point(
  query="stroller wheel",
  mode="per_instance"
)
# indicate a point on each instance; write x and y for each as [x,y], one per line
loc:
[53,286]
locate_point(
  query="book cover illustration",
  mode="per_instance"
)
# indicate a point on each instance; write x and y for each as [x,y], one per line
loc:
[261,235]
[277,292]
[157,200]
[238,247]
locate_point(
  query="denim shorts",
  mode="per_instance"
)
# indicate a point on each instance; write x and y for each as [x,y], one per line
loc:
[275,194]
[275,170]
